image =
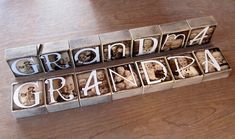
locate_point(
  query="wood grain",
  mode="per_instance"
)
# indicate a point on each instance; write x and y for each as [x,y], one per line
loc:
[202,111]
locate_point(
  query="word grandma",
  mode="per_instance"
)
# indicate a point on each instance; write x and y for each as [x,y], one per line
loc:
[46,58]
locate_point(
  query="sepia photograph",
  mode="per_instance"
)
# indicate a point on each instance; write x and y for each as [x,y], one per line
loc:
[184,66]
[27,94]
[63,89]
[99,79]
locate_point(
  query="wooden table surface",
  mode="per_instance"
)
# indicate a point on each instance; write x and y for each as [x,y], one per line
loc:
[202,111]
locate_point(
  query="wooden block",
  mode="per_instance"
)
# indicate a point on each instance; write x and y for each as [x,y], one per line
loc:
[202,30]
[27,99]
[56,56]
[23,61]
[116,45]
[86,50]
[185,69]
[61,93]
[145,40]
[125,81]
[94,87]
[175,35]
[155,74]
[213,63]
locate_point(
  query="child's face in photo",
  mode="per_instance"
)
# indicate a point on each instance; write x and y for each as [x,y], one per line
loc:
[183,62]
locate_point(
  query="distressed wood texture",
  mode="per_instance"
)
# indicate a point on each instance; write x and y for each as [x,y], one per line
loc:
[201,111]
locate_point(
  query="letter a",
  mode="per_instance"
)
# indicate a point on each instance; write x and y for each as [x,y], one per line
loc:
[213,63]
[199,36]
[96,83]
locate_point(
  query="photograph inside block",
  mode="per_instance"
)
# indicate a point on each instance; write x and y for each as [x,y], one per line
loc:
[124,77]
[173,41]
[93,83]
[60,89]
[145,45]
[56,61]
[154,71]
[28,95]
[117,50]
[25,66]
[211,60]
[86,56]
[201,35]
[184,66]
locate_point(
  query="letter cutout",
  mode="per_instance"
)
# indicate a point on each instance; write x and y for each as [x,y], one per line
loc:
[34,66]
[175,37]
[200,36]
[113,72]
[177,65]
[146,73]
[95,50]
[207,62]
[141,45]
[17,93]
[96,84]
[52,89]
[49,63]
[110,49]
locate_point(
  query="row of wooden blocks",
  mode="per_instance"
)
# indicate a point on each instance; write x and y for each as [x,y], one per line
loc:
[49,57]
[115,82]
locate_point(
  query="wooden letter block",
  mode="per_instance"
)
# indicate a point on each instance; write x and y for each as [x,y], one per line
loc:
[116,45]
[28,99]
[174,35]
[125,81]
[213,63]
[86,50]
[56,56]
[145,40]
[94,87]
[61,93]
[185,69]
[202,30]
[23,61]
[155,74]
